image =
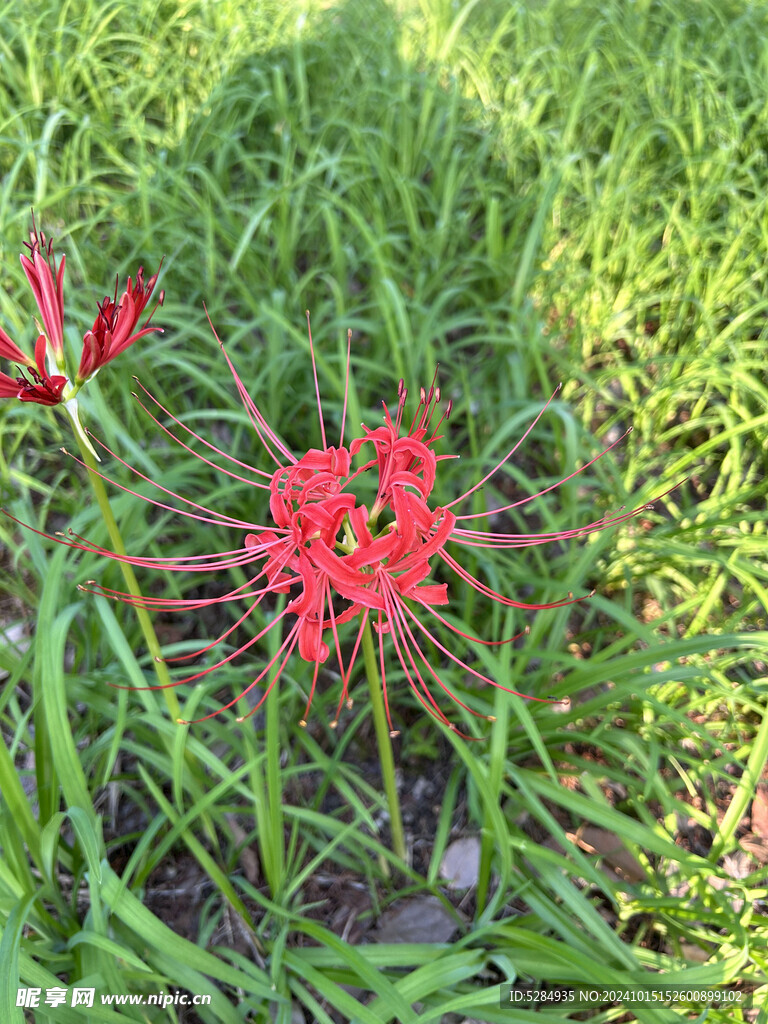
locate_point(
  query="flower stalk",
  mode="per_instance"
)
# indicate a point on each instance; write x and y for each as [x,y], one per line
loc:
[145,622]
[384,738]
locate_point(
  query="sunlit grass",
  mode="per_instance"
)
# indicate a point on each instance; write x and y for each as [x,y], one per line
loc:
[525,194]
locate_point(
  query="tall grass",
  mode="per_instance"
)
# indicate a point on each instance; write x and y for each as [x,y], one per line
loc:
[524,193]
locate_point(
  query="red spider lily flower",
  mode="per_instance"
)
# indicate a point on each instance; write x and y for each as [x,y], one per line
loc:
[116,327]
[338,559]
[47,284]
[42,388]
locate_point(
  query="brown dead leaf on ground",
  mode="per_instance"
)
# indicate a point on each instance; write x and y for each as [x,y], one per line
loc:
[760,812]
[756,846]
[609,847]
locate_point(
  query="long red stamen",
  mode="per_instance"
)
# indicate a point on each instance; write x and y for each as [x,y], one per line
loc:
[197,437]
[211,517]
[509,454]
[259,424]
[317,384]
[346,390]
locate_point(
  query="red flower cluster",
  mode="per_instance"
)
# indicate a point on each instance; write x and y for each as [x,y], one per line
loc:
[43,378]
[340,559]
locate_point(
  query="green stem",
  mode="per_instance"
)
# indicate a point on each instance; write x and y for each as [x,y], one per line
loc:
[384,741]
[498,750]
[268,798]
[150,638]
[745,791]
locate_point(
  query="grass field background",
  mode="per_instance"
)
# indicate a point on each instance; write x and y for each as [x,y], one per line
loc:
[526,193]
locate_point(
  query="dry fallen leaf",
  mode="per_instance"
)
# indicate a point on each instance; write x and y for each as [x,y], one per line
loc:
[755,846]
[737,864]
[248,859]
[760,812]
[607,845]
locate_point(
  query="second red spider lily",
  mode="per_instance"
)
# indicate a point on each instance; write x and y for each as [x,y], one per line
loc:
[44,378]
[117,326]
[339,559]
